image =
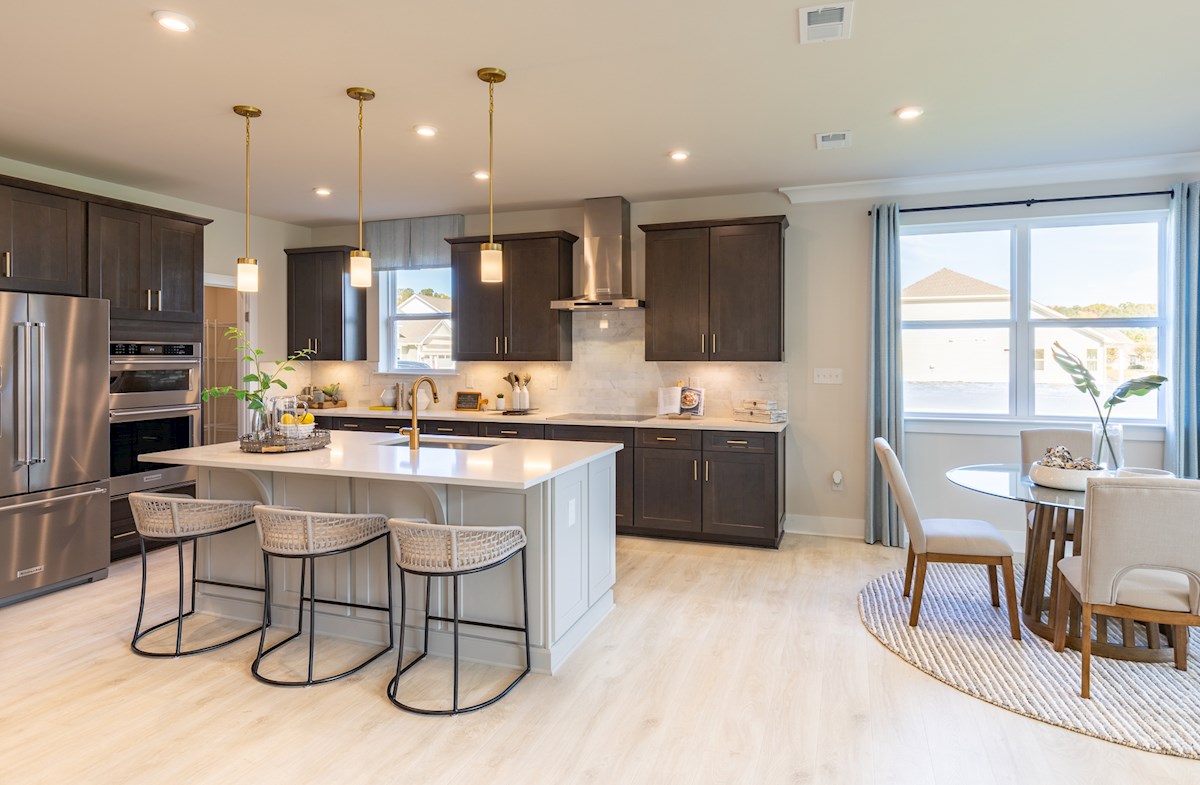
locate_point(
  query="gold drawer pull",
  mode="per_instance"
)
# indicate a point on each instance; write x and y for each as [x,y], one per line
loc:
[8,264]
[126,534]
[349,425]
[665,438]
[736,441]
[445,430]
[392,427]
[508,433]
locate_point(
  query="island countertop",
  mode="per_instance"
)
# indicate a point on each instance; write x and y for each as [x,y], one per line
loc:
[507,463]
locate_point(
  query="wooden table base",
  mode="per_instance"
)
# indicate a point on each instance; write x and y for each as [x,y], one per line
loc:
[1053,528]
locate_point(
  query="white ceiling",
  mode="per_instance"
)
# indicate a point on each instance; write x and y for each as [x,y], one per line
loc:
[598,94]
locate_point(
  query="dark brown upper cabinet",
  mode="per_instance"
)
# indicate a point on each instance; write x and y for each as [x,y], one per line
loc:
[41,242]
[512,320]
[714,290]
[325,313]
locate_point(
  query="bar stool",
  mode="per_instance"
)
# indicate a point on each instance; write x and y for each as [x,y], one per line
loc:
[297,534]
[181,519]
[436,550]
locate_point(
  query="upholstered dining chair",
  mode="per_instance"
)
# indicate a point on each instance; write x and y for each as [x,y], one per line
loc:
[954,540]
[1140,559]
[1034,443]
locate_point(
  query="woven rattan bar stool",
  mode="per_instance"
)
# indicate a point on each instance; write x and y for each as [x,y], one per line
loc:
[182,519]
[435,550]
[297,534]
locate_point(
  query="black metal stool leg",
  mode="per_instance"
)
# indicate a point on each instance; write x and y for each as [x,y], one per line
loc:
[312,612]
[457,579]
[179,618]
[137,628]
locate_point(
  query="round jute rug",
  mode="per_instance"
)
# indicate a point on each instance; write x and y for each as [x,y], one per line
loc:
[963,641]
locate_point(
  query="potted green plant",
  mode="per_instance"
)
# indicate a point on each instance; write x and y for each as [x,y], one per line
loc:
[1083,380]
[262,381]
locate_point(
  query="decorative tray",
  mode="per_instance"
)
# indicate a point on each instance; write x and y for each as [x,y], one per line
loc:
[280,443]
[519,412]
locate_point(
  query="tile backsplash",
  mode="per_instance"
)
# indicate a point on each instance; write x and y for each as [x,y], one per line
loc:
[608,374]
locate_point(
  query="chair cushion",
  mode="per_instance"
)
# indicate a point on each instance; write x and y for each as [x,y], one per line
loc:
[1161,590]
[964,537]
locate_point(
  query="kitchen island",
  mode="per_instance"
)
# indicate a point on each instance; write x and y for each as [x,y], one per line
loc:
[561,493]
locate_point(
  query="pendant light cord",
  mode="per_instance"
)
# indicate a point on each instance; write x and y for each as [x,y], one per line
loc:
[491,116]
[247,186]
[360,190]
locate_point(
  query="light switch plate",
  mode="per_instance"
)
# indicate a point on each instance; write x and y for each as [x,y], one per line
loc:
[827,375]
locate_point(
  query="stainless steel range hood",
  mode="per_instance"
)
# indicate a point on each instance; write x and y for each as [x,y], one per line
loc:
[607,283]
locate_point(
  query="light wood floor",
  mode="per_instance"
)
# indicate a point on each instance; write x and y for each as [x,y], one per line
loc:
[719,665]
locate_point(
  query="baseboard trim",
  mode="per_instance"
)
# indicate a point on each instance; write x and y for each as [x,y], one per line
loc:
[824,526]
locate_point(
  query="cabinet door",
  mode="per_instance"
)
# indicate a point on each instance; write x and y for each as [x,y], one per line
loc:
[41,239]
[533,275]
[739,495]
[176,270]
[669,489]
[745,273]
[333,333]
[478,308]
[677,287]
[449,428]
[304,301]
[119,250]
[624,436]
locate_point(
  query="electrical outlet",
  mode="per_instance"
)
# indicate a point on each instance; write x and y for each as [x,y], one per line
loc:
[827,375]
[837,481]
[469,382]
[552,383]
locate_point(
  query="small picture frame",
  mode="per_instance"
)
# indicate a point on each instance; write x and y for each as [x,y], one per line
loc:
[468,401]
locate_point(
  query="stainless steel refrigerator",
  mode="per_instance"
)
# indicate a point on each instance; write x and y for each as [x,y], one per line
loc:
[54,507]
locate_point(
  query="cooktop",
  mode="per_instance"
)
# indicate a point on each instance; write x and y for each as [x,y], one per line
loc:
[604,417]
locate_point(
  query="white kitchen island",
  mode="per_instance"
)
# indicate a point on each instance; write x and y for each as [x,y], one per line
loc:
[562,494]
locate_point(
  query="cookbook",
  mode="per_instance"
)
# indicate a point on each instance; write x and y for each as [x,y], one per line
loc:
[681,400]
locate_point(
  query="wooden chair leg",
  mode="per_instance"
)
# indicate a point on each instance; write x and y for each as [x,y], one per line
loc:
[1101,629]
[918,589]
[992,584]
[1061,613]
[1086,649]
[1180,634]
[908,571]
[1153,640]
[1127,636]
[1010,595]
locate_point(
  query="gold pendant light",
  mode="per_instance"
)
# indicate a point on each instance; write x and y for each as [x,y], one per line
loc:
[360,260]
[491,257]
[247,266]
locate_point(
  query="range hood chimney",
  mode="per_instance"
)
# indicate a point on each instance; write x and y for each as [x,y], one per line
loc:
[607,283]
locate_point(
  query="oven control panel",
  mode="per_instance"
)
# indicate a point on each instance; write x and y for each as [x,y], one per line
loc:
[154,349]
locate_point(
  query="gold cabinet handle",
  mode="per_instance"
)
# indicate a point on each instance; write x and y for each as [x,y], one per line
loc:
[497,344]
[695,470]
[8,264]
[123,535]
[349,425]
[665,438]
[506,344]
[508,433]
[736,441]
[714,343]
[392,427]
[160,299]
[706,471]
[445,430]
[149,300]
[702,343]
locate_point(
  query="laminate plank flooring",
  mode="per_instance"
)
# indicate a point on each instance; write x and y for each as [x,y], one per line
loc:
[718,665]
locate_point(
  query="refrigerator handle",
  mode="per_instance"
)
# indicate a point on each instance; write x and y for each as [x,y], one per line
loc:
[21,391]
[40,456]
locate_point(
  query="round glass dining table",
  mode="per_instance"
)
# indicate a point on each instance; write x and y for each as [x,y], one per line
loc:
[1057,520]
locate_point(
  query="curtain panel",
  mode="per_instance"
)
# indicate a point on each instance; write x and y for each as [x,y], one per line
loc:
[1183,426]
[885,382]
[411,243]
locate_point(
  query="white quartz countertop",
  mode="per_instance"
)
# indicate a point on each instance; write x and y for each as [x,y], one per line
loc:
[549,417]
[508,463]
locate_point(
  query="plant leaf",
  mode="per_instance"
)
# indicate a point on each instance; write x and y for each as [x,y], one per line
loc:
[1134,387]
[1081,377]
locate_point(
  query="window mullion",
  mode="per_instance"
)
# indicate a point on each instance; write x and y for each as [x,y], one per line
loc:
[1022,355]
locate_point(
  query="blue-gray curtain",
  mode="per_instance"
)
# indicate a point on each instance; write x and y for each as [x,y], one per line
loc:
[1183,431]
[885,382]
[411,243]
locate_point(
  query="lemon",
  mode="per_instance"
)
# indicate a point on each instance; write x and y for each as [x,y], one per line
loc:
[288,419]
[307,419]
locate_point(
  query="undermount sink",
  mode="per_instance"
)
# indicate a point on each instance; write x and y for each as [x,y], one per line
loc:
[445,444]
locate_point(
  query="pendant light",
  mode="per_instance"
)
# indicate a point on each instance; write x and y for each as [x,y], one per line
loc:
[491,258]
[360,260]
[247,266]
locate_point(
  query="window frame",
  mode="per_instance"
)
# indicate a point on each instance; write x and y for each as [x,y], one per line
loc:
[1021,325]
[389,317]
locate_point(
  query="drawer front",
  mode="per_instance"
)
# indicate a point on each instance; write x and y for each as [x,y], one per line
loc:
[740,441]
[525,430]
[449,428]
[668,438]
[369,424]
[590,433]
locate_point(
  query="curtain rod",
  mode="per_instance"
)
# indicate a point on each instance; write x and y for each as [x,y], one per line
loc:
[1029,202]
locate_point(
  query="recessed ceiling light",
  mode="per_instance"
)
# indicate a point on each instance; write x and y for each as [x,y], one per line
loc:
[425,130]
[175,22]
[909,112]
[319,191]
[481,175]
[680,155]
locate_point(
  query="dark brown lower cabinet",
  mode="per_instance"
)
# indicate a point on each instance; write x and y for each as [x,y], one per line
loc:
[125,539]
[739,495]
[669,486]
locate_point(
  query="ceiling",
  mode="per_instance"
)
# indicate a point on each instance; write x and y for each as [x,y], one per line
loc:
[598,93]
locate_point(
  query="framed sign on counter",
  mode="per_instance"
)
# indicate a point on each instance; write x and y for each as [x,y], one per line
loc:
[467,401]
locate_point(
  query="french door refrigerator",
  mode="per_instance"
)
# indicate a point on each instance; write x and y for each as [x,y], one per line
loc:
[54,507]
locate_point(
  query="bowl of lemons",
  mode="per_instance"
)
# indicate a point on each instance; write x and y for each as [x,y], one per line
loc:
[296,426]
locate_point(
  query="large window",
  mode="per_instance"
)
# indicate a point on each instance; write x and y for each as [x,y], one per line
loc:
[983,303]
[419,327]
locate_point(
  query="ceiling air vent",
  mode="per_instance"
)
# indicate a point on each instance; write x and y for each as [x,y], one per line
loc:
[825,23]
[833,140]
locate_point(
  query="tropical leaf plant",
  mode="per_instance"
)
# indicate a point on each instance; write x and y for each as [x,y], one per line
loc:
[263,381]
[1083,380]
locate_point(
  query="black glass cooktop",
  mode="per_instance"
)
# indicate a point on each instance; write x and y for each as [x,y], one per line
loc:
[603,417]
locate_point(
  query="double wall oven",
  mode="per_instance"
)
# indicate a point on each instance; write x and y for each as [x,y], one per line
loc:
[154,405]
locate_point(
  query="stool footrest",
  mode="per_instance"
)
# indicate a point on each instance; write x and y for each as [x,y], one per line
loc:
[492,625]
